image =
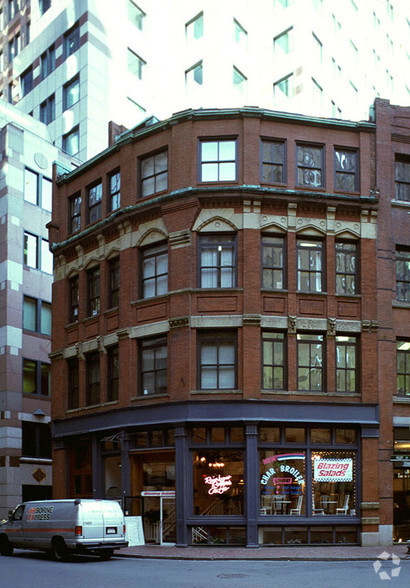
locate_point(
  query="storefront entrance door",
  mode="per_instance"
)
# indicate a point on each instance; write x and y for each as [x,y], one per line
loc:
[159,516]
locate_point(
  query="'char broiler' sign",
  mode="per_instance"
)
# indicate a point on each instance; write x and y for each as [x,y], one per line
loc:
[332,470]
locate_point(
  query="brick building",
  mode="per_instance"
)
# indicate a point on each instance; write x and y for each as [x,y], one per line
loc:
[215,329]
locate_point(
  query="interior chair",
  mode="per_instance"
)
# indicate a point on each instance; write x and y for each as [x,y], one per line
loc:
[298,508]
[343,509]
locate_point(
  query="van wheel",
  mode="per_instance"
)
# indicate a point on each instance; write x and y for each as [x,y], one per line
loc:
[59,548]
[106,554]
[6,547]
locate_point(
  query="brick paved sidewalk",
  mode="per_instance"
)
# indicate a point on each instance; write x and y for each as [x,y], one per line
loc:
[318,553]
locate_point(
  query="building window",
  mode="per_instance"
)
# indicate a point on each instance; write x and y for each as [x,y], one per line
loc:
[310,272]
[154,271]
[194,76]
[72,41]
[35,257]
[114,189]
[74,293]
[36,377]
[92,393]
[239,33]
[113,374]
[403,275]
[114,276]
[154,173]
[346,364]
[71,142]
[217,261]
[46,193]
[73,383]
[94,202]
[194,29]
[238,80]
[71,92]
[44,5]
[346,267]
[47,62]
[310,362]
[14,47]
[36,440]
[36,315]
[403,367]
[136,15]
[48,110]
[93,284]
[346,170]
[317,49]
[273,161]
[217,161]
[402,168]
[135,64]
[26,82]
[273,361]
[217,361]
[153,362]
[283,87]
[31,184]
[310,166]
[273,262]
[283,43]
[74,204]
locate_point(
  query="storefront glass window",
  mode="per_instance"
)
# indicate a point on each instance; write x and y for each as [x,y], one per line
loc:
[269,434]
[323,436]
[218,482]
[282,483]
[345,436]
[333,485]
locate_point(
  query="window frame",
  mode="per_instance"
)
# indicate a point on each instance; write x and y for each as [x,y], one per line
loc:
[340,369]
[74,133]
[218,162]
[139,21]
[73,383]
[114,282]
[153,251]
[405,374]
[310,168]
[93,378]
[402,184]
[93,291]
[39,307]
[403,257]
[72,40]
[300,270]
[190,27]
[37,435]
[47,62]
[26,81]
[272,162]
[340,244]
[217,338]
[275,336]
[74,216]
[114,192]
[156,176]
[74,298]
[354,154]
[68,96]
[309,338]
[48,110]
[136,72]
[273,268]
[38,377]
[113,374]
[158,344]
[94,201]
[217,241]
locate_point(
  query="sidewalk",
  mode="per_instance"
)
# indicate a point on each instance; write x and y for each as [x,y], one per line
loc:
[308,553]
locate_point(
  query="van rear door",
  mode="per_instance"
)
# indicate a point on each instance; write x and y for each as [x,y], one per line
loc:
[113,521]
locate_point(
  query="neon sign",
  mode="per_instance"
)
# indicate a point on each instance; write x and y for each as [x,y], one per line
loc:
[219,484]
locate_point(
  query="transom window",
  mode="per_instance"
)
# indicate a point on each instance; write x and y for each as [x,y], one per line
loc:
[217,361]
[155,270]
[310,166]
[154,173]
[403,180]
[346,364]
[217,261]
[309,265]
[403,275]
[346,170]
[272,161]
[153,361]
[217,161]
[94,202]
[273,362]
[403,367]
[310,362]
[346,267]
[273,262]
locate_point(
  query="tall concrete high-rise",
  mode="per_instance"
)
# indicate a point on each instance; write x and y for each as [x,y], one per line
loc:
[77,64]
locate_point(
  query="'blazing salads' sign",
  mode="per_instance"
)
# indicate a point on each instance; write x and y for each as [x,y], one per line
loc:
[332,470]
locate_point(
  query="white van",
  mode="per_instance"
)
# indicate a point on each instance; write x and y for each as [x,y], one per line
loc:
[65,527]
